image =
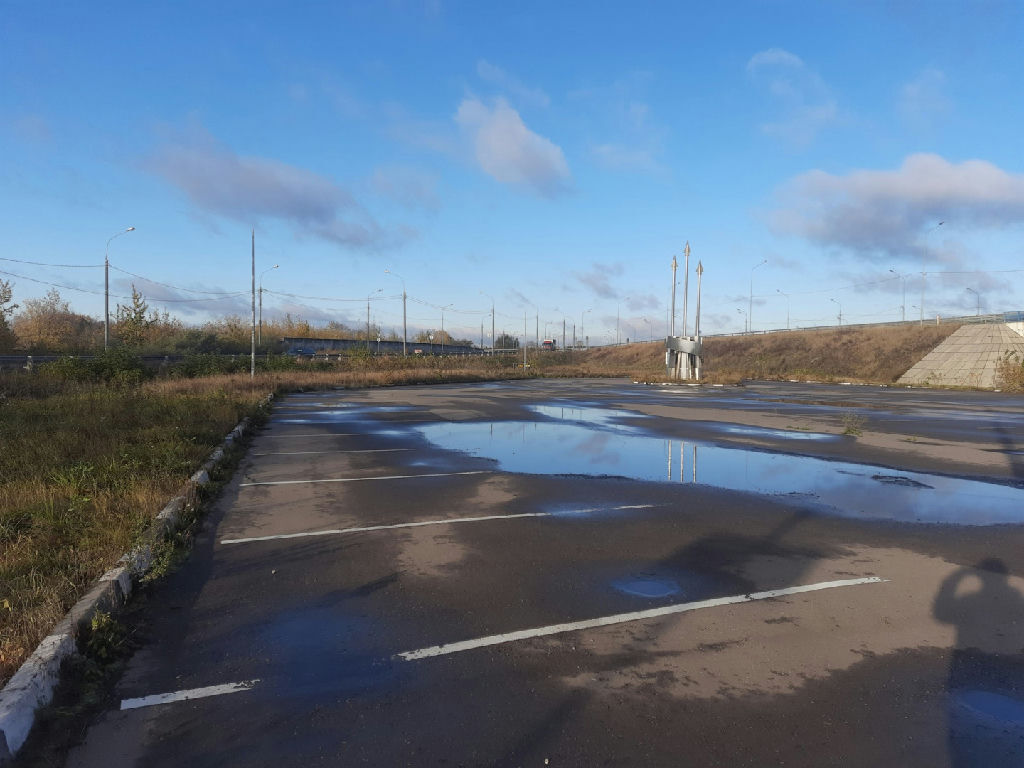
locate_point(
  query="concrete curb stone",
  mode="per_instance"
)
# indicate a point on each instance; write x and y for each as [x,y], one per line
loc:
[32,686]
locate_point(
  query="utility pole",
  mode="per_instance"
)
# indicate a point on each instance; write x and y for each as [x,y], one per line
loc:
[686,281]
[700,271]
[252,360]
[106,289]
[672,317]
[563,333]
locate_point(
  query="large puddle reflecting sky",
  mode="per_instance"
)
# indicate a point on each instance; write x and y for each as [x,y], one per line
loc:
[594,442]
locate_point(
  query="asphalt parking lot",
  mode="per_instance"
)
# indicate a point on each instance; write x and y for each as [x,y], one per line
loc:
[597,573]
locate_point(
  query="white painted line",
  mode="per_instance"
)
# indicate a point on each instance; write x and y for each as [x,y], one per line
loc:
[360,479]
[420,524]
[339,531]
[305,453]
[313,434]
[622,618]
[194,693]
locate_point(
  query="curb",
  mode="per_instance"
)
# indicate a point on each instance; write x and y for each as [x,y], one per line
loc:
[33,684]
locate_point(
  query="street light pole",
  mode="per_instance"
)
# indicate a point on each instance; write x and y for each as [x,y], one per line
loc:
[379,290]
[978,297]
[924,274]
[903,306]
[582,337]
[106,289]
[492,319]
[252,358]
[750,305]
[787,305]
[405,328]
[838,304]
[442,325]
[259,335]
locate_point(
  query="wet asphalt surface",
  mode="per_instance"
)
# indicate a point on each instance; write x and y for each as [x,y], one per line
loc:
[600,499]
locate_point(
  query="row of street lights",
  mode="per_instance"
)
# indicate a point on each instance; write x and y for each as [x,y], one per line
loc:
[748,320]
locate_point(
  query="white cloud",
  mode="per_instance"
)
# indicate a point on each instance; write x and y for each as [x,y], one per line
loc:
[631,137]
[248,189]
[923,100]
[619,157]
[886,214]
[408,187]
[599,279]
[510,152]
[519,92]
[803,102]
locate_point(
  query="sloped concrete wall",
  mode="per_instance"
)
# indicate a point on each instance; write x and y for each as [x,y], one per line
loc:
[968,358]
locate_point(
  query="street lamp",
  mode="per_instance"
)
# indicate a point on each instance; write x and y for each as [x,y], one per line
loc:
[259,337]
[779,290]
[379,290]
[903,306]
[106,288]
[978,297]
[442,325]
[492,318]
[840,311]
[924,255]
[750,306]
[618,306]
[742,312]
[405,330]
[584,312]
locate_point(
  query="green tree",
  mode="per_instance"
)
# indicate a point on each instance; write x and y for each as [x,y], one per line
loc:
[132,323]
[7,307]
[506,342]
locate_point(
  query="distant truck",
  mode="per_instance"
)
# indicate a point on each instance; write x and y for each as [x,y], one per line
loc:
[548,344]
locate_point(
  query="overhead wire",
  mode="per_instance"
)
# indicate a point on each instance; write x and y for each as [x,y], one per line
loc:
[46,264]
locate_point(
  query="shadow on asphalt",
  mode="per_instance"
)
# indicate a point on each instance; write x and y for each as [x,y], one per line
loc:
[985,688]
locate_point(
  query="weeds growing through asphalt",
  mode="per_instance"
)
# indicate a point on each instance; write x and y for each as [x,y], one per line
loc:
[853,424]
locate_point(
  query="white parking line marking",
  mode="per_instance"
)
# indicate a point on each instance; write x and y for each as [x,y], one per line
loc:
[360,479]
[420,524]
[311,434]
[194,693]
[304,453]
[622,618]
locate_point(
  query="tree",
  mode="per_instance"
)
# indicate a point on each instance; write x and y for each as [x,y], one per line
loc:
[7,337]
[48,324]
[132,323]
[506,342]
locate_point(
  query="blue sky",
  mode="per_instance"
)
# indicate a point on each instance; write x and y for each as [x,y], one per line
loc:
[551,156]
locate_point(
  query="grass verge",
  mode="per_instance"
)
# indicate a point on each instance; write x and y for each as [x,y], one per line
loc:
[85,466]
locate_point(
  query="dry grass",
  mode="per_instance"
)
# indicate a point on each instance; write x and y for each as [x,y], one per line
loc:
[85,467]
[1010,374]
[878,355]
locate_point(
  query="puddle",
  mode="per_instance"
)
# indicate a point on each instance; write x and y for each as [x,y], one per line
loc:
[647,586]
[300,642]
[603,418]
[994,708]
[337,413]
[600,448]
[781,434]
